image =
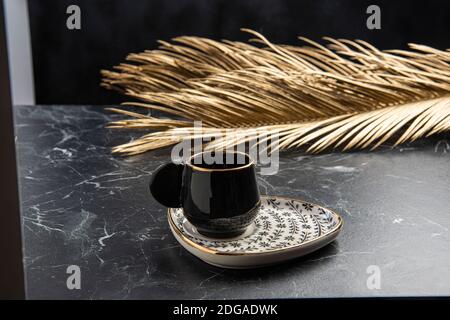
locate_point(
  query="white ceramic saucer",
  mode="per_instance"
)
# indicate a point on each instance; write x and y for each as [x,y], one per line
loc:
[284,229]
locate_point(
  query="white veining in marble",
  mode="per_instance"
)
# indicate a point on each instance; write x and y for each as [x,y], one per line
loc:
[82,205]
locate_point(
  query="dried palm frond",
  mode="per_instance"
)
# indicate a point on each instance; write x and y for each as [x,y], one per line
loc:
[347,94]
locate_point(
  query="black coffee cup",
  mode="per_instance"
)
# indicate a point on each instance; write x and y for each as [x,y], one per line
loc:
[220,198]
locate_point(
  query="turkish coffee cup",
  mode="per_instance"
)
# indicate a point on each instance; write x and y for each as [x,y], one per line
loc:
[217,191]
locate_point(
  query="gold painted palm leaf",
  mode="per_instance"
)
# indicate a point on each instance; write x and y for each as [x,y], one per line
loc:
[345,95]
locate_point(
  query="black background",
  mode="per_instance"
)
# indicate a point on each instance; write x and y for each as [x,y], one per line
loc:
[67,62]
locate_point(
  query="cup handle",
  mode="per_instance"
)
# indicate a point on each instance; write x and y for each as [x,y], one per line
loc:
[165,184]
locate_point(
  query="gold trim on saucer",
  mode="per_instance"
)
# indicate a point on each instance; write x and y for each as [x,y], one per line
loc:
[240,253]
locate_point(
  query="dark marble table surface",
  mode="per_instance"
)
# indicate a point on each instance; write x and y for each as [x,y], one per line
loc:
[83,206]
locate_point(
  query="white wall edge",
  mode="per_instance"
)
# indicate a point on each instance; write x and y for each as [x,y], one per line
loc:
[19,51]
